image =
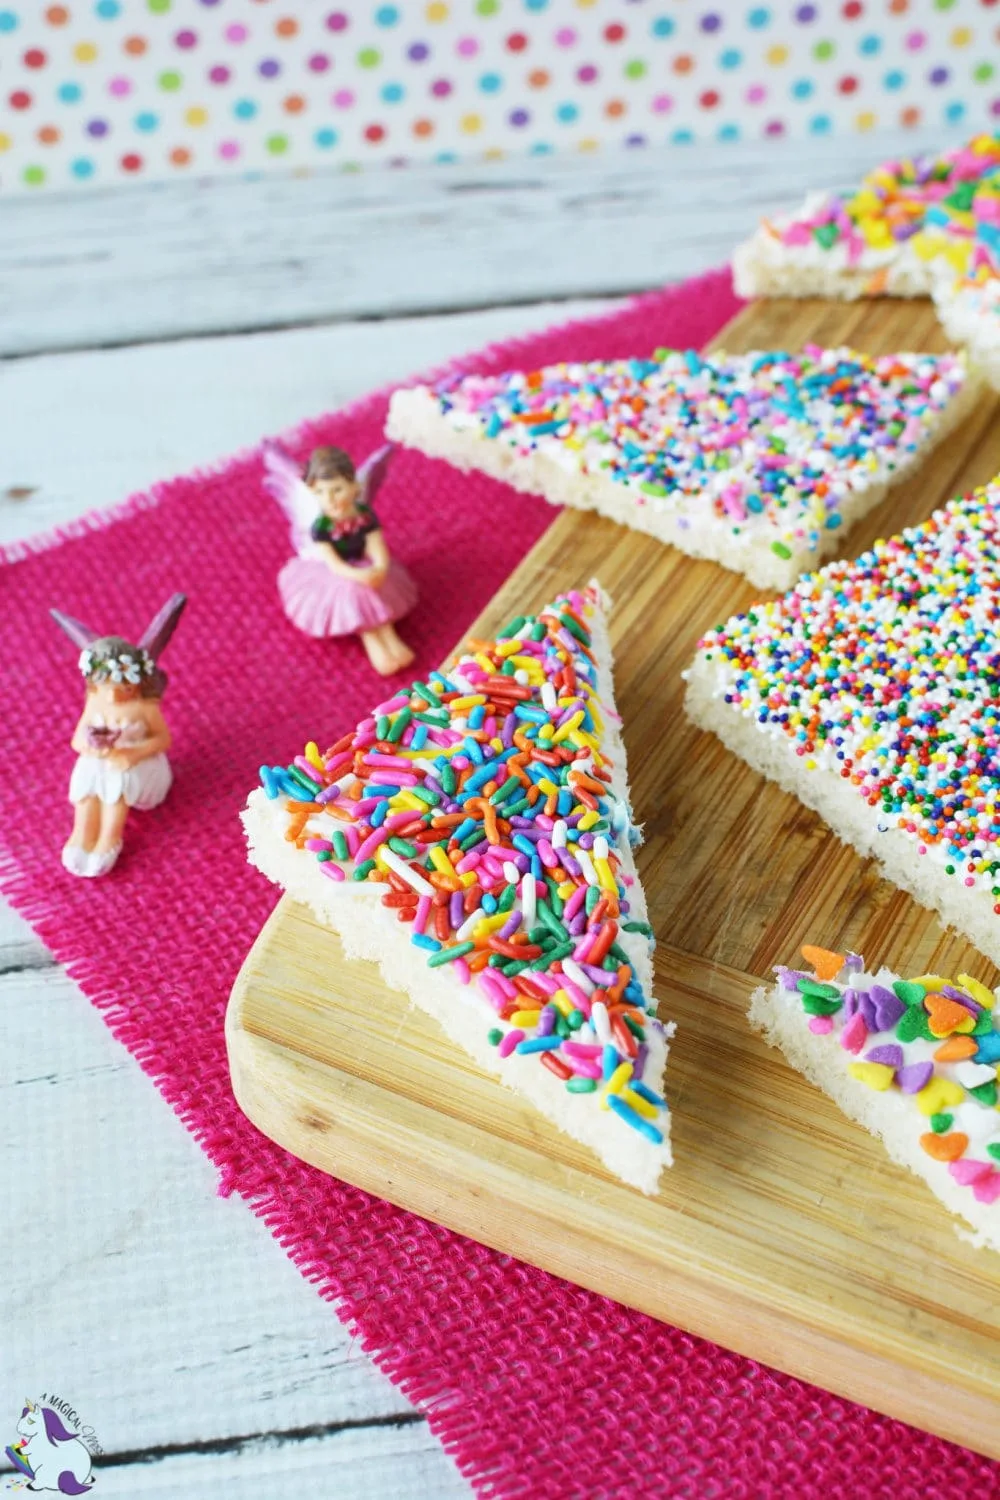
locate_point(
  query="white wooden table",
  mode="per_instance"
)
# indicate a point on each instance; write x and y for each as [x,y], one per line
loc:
[168,1316]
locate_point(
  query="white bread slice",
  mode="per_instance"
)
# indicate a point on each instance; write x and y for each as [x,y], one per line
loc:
[872,1045]
[624,1119]
[875,679]
[912,228]
[781,483]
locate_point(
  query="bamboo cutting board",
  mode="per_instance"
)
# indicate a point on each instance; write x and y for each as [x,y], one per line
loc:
[784,1231]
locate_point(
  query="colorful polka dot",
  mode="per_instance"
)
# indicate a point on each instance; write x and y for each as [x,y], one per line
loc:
[812,67]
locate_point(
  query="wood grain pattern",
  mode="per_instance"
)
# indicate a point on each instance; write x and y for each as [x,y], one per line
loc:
[783,1231]
[160,260]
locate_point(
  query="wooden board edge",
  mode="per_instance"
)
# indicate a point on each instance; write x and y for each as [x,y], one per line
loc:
[344,1141]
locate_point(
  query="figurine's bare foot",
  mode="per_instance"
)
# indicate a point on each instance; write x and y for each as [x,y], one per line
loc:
[86,825]
[101,861]
[75,859]
[380,653]
[403,656]
[399,651]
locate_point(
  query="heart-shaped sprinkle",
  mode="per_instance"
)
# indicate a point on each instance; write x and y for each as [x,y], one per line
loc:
[989,1048]
[994,1149]
[946,1016]
[826,965]
[941,1123]
[986,1093]
[890,1055]
[909,991]
[887,1008]
[915,1024]
[961,998]
[807,986]
[874,1074]
[915,1076]
[987,1189]
[820,1025]
[955,1049]
[820,1005]
[971,1074]
[966,1170]
[944,1147]
[939,1094]
[854,1034]
[928,982]
[977,990]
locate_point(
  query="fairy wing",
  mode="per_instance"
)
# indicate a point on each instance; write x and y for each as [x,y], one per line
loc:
[373,471]
[283,479]
[162,626]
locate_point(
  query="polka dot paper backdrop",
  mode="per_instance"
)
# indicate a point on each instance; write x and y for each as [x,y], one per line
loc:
[107,91]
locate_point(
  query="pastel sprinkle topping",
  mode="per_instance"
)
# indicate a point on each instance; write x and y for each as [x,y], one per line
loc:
[945,208]
[885,673]
[480,804]
[769,444]
[955,1114]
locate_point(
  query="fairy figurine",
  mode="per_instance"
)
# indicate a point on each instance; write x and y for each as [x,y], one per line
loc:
[121,740]
[342,579]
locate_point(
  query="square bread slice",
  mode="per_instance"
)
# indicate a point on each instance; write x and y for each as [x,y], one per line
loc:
[872,692]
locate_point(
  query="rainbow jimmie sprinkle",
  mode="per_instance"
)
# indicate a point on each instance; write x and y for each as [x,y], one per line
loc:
[473,835]
[758,460]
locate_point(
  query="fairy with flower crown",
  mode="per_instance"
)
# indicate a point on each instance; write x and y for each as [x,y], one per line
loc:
[342,579]
[121,739]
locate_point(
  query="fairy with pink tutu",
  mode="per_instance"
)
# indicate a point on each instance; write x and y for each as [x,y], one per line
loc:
[342,579]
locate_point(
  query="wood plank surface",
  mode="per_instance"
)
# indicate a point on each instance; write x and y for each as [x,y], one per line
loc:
[784,1231]
[162,260]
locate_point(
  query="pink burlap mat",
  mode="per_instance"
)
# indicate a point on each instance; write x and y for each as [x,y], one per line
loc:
[536,1388]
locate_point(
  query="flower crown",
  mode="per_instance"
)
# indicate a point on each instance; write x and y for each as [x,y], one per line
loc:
[126,666]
